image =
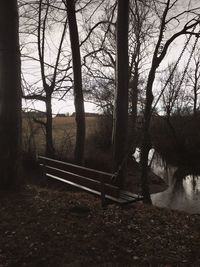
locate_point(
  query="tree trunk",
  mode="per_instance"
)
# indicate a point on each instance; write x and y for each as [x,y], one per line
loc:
[195,89]
[50,151]
[78,92]
[10,96]
[146,141]
[134,100]
[120,117]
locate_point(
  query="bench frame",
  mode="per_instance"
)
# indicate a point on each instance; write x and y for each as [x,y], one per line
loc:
[93,181]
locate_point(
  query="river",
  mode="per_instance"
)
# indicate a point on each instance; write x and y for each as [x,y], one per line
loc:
[182,194]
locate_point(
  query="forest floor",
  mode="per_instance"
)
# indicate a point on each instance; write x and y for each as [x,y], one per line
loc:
[48,225]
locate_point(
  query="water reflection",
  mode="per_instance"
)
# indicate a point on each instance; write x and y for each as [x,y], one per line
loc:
[183,192]
[192,187]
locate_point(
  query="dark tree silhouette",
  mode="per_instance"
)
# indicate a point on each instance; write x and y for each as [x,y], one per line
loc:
[52,75]
[120,121]
[10,96]
[78,93]
[160,51]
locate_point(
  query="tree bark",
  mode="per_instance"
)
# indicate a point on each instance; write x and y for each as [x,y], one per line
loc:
[120,118]
[50,151]
[78,92]
[134,98]
[10,96]
[195,89]
[146,141]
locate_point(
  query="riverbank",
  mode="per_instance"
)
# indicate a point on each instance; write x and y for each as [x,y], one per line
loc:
[43,226]
[133,184]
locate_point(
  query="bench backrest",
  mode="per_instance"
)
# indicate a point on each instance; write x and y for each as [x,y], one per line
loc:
[80,175]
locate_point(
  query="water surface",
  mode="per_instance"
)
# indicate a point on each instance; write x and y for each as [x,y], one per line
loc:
[183,194]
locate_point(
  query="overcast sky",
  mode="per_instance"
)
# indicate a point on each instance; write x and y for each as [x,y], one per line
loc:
[32,69]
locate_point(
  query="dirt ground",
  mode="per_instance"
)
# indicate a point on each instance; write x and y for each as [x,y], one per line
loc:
[50,226]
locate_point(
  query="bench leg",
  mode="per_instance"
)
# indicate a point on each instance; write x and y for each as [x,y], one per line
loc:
[103,197]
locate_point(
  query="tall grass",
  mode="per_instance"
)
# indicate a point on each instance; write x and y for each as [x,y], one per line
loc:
[98,136]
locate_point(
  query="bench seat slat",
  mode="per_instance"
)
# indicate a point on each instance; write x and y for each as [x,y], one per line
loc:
[83,181]
[130,197]
[80,170]
[118,200]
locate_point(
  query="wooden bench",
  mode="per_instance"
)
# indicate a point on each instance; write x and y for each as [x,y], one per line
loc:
[96,182]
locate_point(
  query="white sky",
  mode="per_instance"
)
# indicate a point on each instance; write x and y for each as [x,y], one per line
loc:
[68,106]
[59,106]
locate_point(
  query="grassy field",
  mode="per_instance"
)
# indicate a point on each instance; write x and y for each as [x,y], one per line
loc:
[64,133]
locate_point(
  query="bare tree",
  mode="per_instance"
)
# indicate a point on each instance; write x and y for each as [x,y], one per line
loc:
[100,53]
[193,81]
[43,19]
[139,34]
[10,96]
[120,117]
[167,19]
[171,93]
[78,92]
